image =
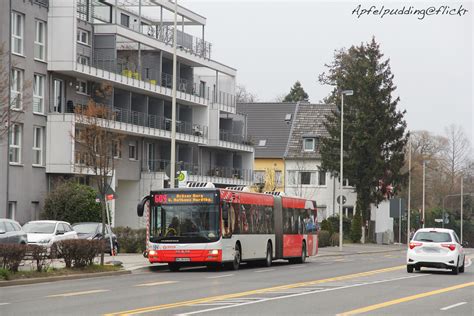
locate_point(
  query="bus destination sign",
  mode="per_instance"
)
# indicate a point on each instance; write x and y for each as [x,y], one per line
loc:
[183,198]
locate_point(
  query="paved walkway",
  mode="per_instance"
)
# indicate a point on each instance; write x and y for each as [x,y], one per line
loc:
[137,261]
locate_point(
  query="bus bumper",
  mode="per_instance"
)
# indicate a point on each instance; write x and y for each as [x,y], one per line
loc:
[183,256]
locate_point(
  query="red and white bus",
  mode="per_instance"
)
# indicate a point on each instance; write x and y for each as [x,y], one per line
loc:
[216,226]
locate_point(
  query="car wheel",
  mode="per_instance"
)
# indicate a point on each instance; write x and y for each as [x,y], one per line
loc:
[417,269]
[302,259]
[455,269]
[174,267]
[409,268]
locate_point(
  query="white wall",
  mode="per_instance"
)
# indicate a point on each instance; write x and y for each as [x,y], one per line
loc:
[61,34]
[324,195]
[60,143]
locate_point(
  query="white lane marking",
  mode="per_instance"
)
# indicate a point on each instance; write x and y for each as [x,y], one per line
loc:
[4,304]
[297,267]
[300,294]
[78,293]
[264,270]
[156,283]
[220,276]
[452,306]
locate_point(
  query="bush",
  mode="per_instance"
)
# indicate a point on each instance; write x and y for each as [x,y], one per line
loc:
[4,274]
[334,240]
[356,228]
[72,202]
[79,253]
[323,238]
[327,226]
[40,257]
[131,240]
[11,256]
[346,224]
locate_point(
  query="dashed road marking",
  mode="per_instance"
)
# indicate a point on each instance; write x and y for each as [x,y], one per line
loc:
[220,276]
[4,304]
[452,306]
[264,270]
[156,283]
[78,293]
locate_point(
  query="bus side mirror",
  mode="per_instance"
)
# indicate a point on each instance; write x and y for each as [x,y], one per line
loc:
[141,206]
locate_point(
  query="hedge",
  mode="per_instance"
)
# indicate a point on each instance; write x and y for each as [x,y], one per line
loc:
[323,238]
[131,240]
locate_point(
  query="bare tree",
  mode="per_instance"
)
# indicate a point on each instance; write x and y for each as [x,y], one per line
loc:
[97,147]
[270,182]
[244,96]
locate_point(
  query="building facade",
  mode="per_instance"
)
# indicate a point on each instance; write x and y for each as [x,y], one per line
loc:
[128,47]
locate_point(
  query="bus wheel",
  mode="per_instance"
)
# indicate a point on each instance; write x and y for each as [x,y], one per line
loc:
[268,258]
[174,267]
[302,259]
[237,258]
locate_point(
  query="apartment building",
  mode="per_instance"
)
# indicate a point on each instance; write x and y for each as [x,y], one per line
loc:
[128,46]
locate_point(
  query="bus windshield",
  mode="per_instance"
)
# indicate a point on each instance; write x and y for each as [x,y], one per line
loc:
[184,223]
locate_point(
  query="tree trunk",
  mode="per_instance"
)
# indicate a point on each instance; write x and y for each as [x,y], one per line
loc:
[103,229]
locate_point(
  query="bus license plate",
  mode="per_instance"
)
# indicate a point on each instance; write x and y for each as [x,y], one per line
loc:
[183,259]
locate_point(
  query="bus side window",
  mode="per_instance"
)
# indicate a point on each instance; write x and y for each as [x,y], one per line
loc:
[235,218]
[226,225]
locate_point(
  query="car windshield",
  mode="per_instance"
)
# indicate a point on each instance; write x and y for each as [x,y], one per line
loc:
[86,228]
[432,237]
[39,228]
[185,223]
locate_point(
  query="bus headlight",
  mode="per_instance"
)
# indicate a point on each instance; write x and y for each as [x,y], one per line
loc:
[152,252]
[214,252]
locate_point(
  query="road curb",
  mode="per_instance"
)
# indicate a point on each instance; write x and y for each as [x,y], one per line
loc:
[357,253]
[63,278]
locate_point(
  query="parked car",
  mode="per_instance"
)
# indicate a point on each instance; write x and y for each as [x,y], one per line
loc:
[92,230]
[435,248]
[11,232]
[46,233]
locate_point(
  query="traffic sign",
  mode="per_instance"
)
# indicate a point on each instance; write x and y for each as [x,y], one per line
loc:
[344,200]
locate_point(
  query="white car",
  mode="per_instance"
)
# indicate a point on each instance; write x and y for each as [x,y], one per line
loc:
[435,248]
[46,233]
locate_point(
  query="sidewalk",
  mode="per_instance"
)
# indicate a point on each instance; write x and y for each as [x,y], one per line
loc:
[132,261]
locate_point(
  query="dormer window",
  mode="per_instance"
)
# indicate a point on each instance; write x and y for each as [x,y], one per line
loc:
[309,144]
[262,143]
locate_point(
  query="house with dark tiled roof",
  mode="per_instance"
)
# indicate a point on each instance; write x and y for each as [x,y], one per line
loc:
[268,126]
[303,160]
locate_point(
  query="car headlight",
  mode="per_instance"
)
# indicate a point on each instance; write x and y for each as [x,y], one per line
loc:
[151,252]
[214,252]
[44,241]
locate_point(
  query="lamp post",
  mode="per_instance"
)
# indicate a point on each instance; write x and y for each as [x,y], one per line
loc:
[341,174]
[173,102]
[409,192]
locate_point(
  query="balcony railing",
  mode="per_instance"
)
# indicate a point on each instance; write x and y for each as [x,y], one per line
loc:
[148,120]
[161,165]
[228,136]
[154,79]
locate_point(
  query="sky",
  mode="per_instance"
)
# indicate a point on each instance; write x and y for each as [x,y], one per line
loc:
[274,43]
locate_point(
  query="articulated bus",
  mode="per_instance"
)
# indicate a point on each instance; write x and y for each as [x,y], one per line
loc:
[202,226]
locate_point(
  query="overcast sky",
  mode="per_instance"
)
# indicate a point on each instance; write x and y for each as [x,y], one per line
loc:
[274,43]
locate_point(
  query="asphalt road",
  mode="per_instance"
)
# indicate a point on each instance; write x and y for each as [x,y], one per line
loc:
[372,283]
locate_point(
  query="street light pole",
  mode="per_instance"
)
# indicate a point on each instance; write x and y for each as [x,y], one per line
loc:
[423,212]
[462,182]
[341,174]
[409,192]
[173,102]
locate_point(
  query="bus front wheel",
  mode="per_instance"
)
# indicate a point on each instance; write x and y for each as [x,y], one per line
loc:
[235,264]
[301,259]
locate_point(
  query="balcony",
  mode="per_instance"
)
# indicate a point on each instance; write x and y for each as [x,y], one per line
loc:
[234,141]
[187,92]
[198,173]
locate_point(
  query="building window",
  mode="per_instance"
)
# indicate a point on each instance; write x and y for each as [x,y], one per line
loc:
[81,87]
[18,27]
[259,176]
[83,60]
[83,37]
[38,145]
[117,149]
[133,150]
[305,177]
[17,89]
[278,177]
[124,20]
[322,178]
[15,143]
[38,94]
[11,210]
[262,142]
[308,144]
[57,95]
[40,40]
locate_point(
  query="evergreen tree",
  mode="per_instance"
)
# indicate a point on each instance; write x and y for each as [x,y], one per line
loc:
[296,94]
[374,130]
[356,227]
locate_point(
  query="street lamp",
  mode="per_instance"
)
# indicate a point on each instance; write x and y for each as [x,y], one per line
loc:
[341,174]
[173,102]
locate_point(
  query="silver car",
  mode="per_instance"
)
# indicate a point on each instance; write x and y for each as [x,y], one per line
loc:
[11,232]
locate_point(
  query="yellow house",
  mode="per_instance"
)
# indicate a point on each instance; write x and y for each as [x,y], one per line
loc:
[269,126]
